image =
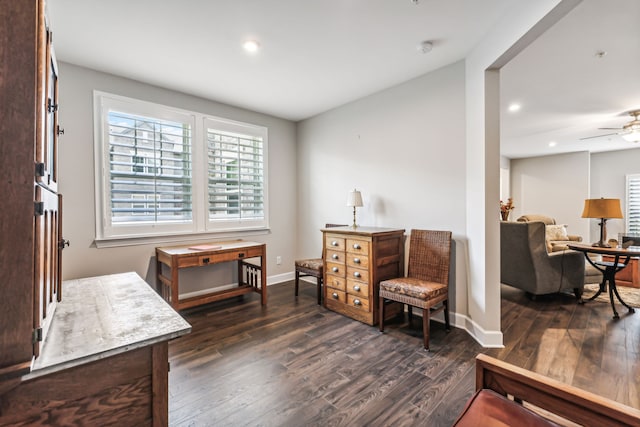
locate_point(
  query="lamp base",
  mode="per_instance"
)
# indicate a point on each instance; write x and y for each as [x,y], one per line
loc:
[354,218]
[603,232]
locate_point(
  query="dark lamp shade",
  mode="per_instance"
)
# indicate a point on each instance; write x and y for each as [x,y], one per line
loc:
[602,208]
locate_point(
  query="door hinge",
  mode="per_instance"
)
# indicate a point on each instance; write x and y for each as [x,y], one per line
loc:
[51,107]
[39,208]
[39,169]
[37,335]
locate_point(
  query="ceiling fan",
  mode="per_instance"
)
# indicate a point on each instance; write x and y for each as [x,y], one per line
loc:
[630,132]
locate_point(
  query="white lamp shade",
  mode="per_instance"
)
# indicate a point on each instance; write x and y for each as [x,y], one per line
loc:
[354,199]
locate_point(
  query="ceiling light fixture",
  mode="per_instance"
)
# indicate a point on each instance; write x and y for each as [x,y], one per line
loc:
[552,144]
[631,131]
[514,107]
[425,47]
[251,46]
[633,136]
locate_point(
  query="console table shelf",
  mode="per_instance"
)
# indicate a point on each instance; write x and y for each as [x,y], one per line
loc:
[628,276]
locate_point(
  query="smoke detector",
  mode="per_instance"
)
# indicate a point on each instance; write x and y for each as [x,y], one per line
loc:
[425,47]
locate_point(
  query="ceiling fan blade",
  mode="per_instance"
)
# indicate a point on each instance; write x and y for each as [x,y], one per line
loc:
[598,136]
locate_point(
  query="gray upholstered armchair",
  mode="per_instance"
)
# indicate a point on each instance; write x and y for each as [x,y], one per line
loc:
[525,263]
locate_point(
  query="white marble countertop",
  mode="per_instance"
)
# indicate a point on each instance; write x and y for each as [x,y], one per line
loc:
[102,316]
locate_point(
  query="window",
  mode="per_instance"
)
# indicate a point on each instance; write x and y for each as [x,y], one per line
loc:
[165,171]
[633,204]
[235,166]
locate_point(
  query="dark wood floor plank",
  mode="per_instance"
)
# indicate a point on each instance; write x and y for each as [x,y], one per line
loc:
[294,363]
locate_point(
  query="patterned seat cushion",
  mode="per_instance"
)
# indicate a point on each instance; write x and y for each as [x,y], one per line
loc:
[414,288]
[312,264]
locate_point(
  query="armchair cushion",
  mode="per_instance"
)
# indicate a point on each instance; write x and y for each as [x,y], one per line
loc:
[488,408]
[414,287]
[310,264]
[557,238]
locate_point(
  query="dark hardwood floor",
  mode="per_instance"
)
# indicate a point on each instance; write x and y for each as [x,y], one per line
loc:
[294,363]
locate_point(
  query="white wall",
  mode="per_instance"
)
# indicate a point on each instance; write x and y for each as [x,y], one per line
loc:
[608,180]
[522,24]
[403,148]
[555,186]
[82,258]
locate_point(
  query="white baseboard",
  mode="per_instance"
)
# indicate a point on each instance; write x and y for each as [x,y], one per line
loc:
[487,339]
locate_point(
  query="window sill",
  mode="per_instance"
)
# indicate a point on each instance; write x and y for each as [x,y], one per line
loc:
[178,238]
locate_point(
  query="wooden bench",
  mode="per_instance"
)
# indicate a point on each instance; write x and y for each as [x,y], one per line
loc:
[511,395]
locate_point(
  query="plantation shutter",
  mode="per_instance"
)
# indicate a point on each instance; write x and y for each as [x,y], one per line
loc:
[150,169]
[235,176]
[633,204]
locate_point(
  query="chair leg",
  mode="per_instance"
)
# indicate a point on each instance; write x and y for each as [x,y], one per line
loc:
[381,314]
[297,281]
[410,311]
[319,286]
[425,327]
[446,315]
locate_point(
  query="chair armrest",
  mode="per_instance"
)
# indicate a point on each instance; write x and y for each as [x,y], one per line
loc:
[560,399]
[574,238]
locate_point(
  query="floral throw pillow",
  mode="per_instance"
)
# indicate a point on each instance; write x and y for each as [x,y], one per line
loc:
[556,232]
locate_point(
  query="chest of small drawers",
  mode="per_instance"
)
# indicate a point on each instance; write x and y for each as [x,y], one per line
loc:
[355,261]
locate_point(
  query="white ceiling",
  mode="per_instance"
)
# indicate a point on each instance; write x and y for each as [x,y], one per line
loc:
[317,55]
[566,91]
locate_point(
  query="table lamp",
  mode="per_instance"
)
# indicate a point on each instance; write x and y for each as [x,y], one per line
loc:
[354,199]
[603,209]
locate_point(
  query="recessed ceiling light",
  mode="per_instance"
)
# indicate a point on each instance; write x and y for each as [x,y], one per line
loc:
[514,107]
[251,46]
[552,144]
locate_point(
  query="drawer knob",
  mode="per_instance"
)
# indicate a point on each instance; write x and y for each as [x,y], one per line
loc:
[357,274]
[334,243]
[356,260]
[356,246]
[335,256]
[334,295]
[335,269]
[357,302]
[356,288]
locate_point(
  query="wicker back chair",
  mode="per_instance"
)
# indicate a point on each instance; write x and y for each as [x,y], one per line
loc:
[312,267]
[427,281]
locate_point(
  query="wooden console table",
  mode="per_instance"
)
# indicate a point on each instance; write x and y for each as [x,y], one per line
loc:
[251,277]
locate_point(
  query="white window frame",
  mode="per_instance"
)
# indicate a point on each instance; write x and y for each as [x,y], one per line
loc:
[632,205]
[237,128]
[200,227]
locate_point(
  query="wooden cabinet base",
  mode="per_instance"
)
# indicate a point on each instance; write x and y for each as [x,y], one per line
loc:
[128,389]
